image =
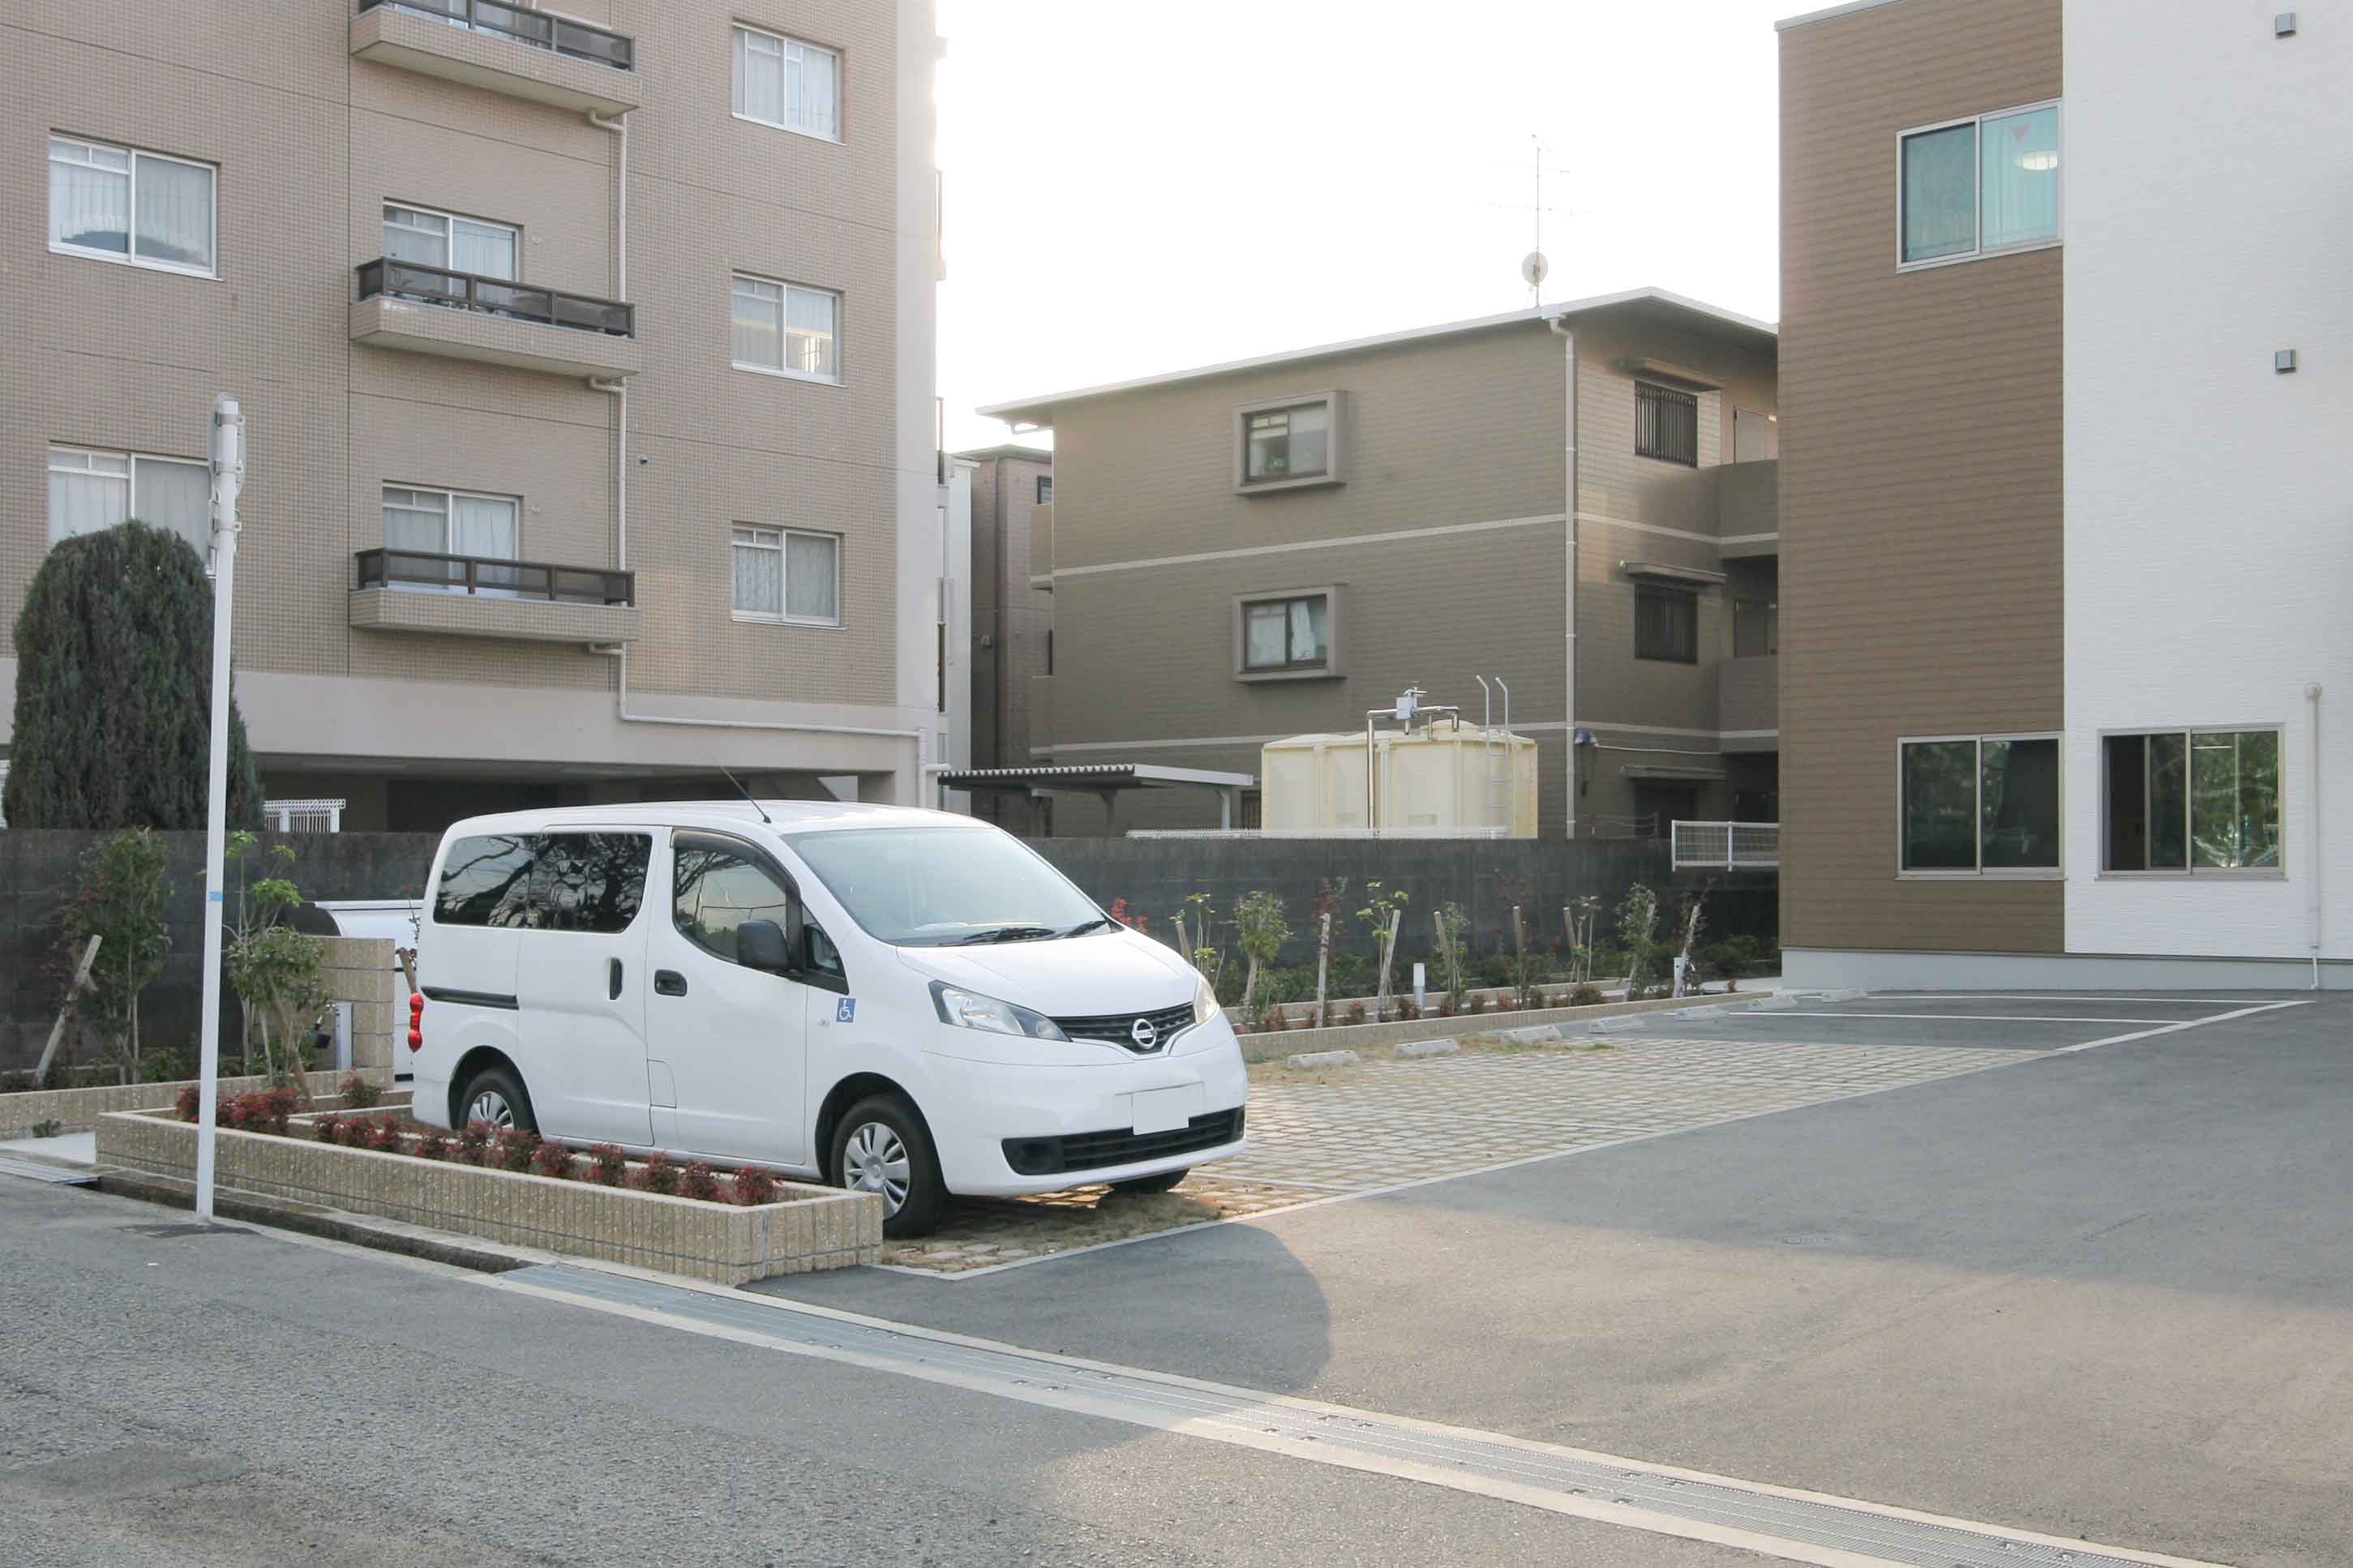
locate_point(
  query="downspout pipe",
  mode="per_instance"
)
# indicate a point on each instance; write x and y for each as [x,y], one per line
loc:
[618,124]
[1567,334]
[2312,700]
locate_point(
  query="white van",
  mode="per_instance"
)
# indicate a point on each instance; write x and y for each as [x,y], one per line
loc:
[904,1002]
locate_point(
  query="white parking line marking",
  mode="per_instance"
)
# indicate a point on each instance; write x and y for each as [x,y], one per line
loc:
[2078,997]
[1965,1018]
[2177,1028]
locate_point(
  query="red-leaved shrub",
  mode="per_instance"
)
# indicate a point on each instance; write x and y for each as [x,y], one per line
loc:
[658,1174]
[358,1093]
[189,1101]
[698,1181]
[383,1135]
[607,1163]
[269,1109]
[432,1145]
[553,1159]
[328,1129]
[514,1149]
[753,1186]
[474,1142]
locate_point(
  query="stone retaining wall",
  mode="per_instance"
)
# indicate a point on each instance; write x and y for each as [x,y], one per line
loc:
[810,1228]
[79,1109]
[1273,1047]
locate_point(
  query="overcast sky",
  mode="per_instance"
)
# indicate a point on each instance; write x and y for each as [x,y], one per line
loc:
[1135,187]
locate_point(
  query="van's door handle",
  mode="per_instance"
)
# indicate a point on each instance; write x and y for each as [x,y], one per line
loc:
[613,982]
[669,983]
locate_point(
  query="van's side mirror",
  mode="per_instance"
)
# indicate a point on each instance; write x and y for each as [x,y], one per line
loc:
[760,944]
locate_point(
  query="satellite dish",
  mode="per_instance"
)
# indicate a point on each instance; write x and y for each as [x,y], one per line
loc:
[1534,269]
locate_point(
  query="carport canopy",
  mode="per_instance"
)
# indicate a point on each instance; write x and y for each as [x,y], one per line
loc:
[1106,781]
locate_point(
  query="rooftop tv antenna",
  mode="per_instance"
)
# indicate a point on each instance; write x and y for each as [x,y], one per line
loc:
[1534,266]
[746,794]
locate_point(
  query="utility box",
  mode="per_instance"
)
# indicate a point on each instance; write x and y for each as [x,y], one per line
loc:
[1436,780]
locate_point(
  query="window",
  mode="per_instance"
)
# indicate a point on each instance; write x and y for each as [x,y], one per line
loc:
[453,522]
[1666,423]
[90,491]
[452,243]
[1756,628]
[1974,804]
[717,884]
[1666,624]
[787,83]
[121,204]
[784,575]
[1979,186]
[2193,800]
[485,881]
[787,329]
[590,881]
[1294,442]
[1045,489]
[1286,634]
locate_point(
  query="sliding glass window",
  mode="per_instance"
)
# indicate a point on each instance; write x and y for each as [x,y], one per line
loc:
[1979,805]
[2192,800]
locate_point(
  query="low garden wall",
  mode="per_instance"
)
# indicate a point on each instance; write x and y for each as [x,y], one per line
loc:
[79,1109]
[1274,1046]
[807,1228]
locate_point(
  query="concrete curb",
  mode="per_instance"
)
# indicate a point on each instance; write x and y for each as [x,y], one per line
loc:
[1325,1059]
[1271,1047]
[1426,1049]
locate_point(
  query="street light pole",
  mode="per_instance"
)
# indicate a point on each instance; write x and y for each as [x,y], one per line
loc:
[228,478]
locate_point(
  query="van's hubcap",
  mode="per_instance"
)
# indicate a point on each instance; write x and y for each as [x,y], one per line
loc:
[875,1161]
[490,1106]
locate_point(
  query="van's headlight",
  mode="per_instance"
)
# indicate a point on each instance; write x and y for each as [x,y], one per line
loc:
[971,1010]
[1204,1001]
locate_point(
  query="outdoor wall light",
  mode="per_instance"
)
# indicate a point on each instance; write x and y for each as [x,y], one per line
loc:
[2284,361]
[2283,25]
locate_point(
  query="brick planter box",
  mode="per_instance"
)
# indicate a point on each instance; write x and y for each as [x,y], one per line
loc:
[79,1109]
[1275,1045]
[808,1229]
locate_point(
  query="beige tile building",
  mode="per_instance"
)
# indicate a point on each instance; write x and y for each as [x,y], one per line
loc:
[1272,547]
[1012,612]
[587,358]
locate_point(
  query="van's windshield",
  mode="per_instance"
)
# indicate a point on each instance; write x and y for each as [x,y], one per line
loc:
[945,887]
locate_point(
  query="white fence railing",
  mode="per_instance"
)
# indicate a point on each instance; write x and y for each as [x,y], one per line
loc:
[1728,845]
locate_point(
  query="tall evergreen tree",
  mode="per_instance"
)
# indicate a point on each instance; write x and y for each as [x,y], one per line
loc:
[114,689]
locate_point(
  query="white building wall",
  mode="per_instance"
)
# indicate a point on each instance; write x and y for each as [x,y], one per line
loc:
[2208,212]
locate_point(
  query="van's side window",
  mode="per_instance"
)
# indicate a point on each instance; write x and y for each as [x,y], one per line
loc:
[715,887]
[485,881]
[590,881]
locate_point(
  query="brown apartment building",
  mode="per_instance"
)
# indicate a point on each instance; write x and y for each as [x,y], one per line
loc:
[1270,547]
[586,360]
[1012,613]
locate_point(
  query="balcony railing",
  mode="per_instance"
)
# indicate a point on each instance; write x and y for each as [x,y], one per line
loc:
[493,577]
[1728,845]
[493,297]
[558,34]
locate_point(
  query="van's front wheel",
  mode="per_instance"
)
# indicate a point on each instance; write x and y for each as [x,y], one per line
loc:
[879,1146]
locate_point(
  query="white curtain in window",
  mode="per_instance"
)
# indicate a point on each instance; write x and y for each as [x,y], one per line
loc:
[88,491]
[812,88]
[1311,425]
[176,496]
[1306,630]
[1939,192]
[759,575]
[759,323]
[1263,636]
[810,326]
[415,236]
[759,76]
[175,211]
[810,570]
[485,248]
[90,197]
[416,519]
[2019,185]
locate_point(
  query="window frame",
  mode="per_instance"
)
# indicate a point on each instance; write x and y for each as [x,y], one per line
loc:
[449,237]
[804,971]
[741,30]
[784,288]
[1336,613]
[1982,872]
[2189,869]
[1978,251]
[1689,595]
[129,476]
[449,514]
[1336,446]
[784,586]
[1045,490]
[131,257]
[1676,396]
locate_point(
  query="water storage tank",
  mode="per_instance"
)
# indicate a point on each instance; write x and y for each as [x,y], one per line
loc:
[1435,780]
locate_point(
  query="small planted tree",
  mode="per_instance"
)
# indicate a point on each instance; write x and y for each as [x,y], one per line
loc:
[1638,917]
[273,968]
[1453,928]
[113,711]
[1379,917]
[121,901]
[1261,928]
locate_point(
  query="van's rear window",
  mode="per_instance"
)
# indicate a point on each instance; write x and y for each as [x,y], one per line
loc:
[556,881]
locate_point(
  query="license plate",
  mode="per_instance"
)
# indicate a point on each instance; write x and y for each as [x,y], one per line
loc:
[1166,1109]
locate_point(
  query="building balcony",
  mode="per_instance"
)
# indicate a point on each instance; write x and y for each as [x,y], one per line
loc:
[1041,546]
[460,315]
[1748,508]
[482,597]
[502,49]
[1749,703]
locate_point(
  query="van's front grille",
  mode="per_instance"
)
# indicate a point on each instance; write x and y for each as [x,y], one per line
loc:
[1100,1151]
[1120,1028]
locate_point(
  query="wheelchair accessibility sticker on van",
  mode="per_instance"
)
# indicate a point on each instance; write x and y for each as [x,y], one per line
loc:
[847,1011]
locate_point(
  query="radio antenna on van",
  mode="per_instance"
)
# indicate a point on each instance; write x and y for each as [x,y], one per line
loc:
[745,793]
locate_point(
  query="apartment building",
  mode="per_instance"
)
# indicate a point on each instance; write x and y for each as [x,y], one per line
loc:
[2065,378]
[1012,612]
[586,360]
[1272,547]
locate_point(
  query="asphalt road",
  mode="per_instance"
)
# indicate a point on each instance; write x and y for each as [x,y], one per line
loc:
[2101,1295]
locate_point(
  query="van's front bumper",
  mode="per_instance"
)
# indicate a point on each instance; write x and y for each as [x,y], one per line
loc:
[1061,1123]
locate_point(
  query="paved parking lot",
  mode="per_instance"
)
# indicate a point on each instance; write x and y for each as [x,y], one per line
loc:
[2036,1021]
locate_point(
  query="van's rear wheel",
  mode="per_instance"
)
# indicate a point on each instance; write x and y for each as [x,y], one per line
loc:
[1159,1183]
[496,1095]
[879,1146]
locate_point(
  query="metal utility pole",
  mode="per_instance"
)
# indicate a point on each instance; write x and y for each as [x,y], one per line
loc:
[228,478]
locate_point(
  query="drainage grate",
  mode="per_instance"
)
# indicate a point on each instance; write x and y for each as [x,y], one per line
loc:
[1347,1438]
[33,1170]
[170,1229]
